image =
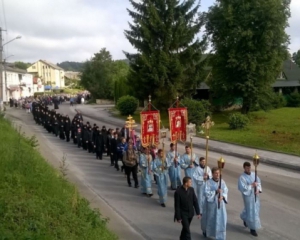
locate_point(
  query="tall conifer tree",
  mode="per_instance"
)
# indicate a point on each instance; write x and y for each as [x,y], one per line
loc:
[250,44]
[169,55]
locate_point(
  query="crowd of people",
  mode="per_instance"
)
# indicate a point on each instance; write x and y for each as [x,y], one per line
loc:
[49,100]
[200,191]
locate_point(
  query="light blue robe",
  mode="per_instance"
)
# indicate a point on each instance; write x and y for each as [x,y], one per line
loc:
[250,214]
[174,171]
[185,162]
[146,182]
[199,184]
[161,178]
[216,219]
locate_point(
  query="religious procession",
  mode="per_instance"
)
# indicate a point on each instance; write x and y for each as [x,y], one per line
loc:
[199,189]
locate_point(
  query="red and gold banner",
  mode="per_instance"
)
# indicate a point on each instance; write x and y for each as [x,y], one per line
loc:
[150,126]
[178,119]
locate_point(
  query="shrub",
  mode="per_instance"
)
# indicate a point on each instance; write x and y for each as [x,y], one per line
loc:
[278,100]
[36,94]
[127,105]
[293,100]
[197,110]
[269,100]
[238,121]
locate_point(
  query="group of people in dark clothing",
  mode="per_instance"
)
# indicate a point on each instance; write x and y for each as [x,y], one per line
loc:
[89,137]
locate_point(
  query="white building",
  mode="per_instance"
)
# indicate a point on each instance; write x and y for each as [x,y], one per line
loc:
[51,75]
[38,85]
[17,83]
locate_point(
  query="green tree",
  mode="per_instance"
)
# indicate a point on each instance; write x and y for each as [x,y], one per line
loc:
[97,76]
[22,65]
[120,74]
[296,57]
[169,54]
[250,44]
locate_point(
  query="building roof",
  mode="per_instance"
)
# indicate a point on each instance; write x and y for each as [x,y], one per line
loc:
[291,72]
[72,75]
[285,83]
[51,64]
[15,70]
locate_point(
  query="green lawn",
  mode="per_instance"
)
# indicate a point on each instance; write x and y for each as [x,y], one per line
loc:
[277,130]
[36,202]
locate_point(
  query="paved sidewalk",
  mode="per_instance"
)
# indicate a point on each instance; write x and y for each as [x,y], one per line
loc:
[101,113]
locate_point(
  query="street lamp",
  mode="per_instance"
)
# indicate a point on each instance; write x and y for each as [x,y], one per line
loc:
[18,37]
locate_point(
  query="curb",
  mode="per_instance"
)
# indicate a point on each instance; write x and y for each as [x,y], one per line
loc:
[264,160]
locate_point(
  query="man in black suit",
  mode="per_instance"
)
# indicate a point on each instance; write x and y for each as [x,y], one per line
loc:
[114,150]
[186,204]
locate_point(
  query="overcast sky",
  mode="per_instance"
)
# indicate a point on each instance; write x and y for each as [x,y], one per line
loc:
[72,30]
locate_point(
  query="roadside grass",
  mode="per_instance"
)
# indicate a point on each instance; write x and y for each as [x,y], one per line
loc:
[276,130]
[36,201]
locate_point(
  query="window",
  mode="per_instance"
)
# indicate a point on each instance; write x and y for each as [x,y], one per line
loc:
[281,75]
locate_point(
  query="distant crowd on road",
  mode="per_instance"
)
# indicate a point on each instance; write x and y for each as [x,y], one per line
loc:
[202,190]
[48,100]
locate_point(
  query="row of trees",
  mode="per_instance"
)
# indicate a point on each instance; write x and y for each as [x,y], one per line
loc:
[105,78]
[248,45]
[248,39]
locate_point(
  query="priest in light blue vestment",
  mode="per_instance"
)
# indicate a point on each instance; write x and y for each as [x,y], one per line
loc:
[146,167]
[188,163]
[160,169]
[216,218]
[173,159]
[199,178]
[246,185]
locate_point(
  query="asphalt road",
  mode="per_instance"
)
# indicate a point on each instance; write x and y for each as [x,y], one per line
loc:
[280,205]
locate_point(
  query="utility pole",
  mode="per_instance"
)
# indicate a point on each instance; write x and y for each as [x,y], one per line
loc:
[1,72]
[1,64]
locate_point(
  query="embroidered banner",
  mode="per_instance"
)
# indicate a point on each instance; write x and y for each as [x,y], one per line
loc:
[150,126]
[178,119]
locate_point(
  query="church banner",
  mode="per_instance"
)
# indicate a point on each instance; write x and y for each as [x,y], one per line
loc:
[178,119]
[150,126]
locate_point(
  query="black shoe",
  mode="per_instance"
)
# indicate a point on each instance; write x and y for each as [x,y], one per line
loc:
[136,186]
[245,224]
[150,195]
[129,185]
[163,205]
[253,233]
[204,234]
[144,193]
